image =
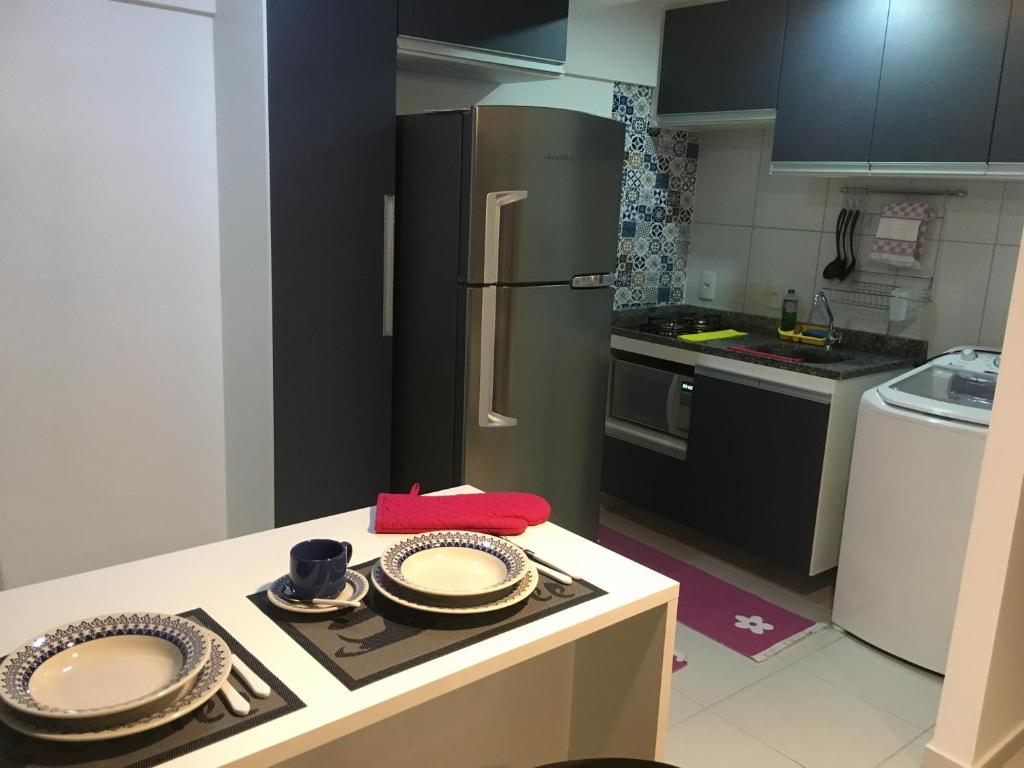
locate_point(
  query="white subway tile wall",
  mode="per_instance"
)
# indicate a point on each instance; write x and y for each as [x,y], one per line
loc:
[762,234]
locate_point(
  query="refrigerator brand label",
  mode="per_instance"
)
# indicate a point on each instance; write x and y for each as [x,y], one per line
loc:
[564,157]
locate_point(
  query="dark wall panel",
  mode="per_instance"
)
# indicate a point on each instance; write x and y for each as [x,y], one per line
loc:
[331,94]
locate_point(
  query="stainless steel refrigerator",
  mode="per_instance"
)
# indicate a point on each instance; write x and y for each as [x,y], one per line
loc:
[507,224]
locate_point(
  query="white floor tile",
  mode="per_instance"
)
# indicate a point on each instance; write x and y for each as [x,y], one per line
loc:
[879,679]
[911,755]
[714,672]
[680,707]
[816,723]
[707,741]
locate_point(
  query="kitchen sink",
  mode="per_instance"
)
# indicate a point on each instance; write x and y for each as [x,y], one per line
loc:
[803,352]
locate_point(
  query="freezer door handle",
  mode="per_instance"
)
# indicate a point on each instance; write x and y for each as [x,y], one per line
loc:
[488,417]
[593,281]
[492,228]
[388,271]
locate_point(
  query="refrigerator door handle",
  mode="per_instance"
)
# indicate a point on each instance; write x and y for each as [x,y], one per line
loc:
[388,295]
[488,417]
[593,281]
[492,228]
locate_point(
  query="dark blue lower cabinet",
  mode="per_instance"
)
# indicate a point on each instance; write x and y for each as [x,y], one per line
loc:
[754,466]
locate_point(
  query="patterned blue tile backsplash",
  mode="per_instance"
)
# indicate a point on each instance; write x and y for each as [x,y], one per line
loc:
[658,179]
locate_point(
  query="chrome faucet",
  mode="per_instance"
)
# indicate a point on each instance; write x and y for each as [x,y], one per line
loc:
[834,337]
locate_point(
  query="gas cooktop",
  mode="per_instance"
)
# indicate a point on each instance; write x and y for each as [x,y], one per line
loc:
[680,322]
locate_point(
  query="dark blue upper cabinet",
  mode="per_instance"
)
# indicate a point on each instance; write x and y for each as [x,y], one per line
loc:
[722,57]
[1008,136]
[829,85]
[940,78]
[532,28]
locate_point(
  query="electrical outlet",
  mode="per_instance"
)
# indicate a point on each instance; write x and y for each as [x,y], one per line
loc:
[775,293]
[708,284]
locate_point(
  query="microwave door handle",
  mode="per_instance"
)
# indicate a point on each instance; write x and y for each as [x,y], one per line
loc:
[672,404]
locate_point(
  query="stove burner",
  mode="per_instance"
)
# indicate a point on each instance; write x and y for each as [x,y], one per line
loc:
[683,322]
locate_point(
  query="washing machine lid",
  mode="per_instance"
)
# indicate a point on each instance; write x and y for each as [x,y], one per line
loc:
[958,385]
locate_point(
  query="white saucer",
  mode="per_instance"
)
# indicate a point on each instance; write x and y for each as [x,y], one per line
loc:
[356,588]
[522,591]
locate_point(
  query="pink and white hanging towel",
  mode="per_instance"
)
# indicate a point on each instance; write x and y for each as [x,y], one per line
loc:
[900,237]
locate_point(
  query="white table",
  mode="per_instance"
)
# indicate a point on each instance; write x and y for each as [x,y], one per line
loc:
[591,680]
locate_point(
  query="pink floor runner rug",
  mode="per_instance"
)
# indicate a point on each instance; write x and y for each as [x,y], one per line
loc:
[739,620]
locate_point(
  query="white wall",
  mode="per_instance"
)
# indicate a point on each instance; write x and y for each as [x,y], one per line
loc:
[981,716]
[607,43]
[111,405]
[244,196]
[765,233]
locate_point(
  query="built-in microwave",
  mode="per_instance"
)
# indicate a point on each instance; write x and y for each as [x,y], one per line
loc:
[649,402]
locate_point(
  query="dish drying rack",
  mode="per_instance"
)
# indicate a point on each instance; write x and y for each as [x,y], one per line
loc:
[898,292]
[874,295]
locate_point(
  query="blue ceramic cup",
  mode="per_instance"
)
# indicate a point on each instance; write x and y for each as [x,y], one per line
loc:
[317,568]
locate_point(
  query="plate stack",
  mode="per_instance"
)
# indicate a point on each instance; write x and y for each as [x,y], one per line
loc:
[454,572]
[112,676]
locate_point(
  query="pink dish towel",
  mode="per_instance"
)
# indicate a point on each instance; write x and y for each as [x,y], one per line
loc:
[507,514]
[900,238]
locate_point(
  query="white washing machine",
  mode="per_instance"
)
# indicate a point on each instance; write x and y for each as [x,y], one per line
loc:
[916,459]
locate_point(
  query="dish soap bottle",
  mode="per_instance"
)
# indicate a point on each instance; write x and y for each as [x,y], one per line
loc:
[789,307]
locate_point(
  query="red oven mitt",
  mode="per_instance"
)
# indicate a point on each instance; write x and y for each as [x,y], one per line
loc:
[507,514]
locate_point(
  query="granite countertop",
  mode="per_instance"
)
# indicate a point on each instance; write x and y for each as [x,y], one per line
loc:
[868,353]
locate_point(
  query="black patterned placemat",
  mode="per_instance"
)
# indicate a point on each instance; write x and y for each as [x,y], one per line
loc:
[383,638]
[201,728]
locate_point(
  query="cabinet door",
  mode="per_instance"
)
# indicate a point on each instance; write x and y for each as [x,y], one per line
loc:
[534,28]
[1008,136]
[331,108]
[940,77]
[721,57]
[754,467]
[829,85]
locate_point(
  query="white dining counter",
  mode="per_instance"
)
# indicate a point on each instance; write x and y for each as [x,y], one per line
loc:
[591,680]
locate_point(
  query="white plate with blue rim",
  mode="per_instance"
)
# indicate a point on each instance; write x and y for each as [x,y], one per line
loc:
[167,709]
[522,591]
[279,593]
[455,564]
[104,665]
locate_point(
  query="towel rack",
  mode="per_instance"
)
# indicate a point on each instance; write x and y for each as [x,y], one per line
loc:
[912,193]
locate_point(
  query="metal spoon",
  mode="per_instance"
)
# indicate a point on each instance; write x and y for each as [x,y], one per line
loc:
[323,602]
[287,594]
